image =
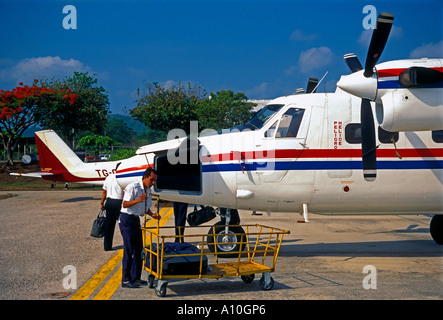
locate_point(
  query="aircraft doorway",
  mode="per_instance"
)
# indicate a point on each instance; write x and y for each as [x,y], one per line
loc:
[180,169]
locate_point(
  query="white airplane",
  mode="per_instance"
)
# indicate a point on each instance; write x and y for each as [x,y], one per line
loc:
[319,153]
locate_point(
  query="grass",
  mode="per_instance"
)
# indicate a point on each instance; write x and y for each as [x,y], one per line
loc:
[7,195]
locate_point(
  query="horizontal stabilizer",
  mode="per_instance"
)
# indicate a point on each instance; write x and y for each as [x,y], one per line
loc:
[31,174]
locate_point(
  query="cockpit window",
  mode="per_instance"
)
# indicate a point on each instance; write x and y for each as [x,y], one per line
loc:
[263,116]
[290,123]
[260,119]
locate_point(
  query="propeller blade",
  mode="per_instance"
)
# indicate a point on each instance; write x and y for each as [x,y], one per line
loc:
[312,83]
[368,147]
[378,42]
[352,62]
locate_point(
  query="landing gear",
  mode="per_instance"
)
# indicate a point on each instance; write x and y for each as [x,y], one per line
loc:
[436,228]
[225,236]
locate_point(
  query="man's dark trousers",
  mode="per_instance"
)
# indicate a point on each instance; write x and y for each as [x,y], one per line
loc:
[132,247]
[112,208]
[180,212]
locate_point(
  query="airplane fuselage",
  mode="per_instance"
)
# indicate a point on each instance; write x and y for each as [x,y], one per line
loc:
[272,169]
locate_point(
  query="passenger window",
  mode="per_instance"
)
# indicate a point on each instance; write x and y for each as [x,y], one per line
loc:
[437,136]
[386,136]
[290,123]
[353,133]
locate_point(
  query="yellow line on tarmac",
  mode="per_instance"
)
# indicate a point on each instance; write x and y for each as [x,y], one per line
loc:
[111,286]
[88,288]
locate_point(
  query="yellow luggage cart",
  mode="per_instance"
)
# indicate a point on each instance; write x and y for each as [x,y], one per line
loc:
[258,250]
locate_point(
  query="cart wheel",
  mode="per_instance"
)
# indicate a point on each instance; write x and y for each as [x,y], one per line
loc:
[151,281]
[248,279]
[161,290]
[264,285]
[224,241]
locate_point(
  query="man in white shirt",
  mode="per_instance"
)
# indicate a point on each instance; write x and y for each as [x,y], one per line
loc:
[136,201]
[113,194]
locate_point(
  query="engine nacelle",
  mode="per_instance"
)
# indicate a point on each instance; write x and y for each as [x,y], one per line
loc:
[411,110]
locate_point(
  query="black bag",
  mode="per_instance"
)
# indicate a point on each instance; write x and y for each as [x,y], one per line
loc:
[179,265]
[203,215]
[98,226]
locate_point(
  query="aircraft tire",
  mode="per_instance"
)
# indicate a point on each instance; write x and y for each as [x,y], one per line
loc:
[234,235]
[436,228]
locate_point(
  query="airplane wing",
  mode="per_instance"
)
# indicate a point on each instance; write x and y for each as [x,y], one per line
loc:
[31,174]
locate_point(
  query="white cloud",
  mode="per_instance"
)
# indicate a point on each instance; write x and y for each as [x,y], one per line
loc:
[28,69]
[298,35]
[315,58]
[291,70]
[428,50]
[258,91]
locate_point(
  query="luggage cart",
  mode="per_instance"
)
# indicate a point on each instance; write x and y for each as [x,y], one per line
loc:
[258,250]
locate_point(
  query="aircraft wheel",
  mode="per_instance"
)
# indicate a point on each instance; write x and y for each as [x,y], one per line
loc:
[436,228]
[225,242]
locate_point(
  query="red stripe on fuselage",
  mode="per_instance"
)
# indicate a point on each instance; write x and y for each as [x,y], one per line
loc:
[321,153]
[395,72]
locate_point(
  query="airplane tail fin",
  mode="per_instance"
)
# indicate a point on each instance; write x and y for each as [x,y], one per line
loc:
[54,155]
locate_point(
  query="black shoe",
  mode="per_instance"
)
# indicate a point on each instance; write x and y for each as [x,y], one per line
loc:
[141,282]
[130,285]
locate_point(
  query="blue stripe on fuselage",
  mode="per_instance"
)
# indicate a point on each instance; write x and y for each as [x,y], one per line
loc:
[323,165]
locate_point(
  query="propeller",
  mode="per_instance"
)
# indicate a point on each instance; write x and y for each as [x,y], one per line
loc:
[352,62]
[312,85]
[378,42]
[376,46]
[311,88]
[368,147]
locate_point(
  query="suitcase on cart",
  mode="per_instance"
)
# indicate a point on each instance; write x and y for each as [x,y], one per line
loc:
[182,262]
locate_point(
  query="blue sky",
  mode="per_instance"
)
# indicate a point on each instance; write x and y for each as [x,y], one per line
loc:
[262,48]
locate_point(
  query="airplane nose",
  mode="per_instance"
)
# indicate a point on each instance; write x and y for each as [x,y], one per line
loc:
[358,85]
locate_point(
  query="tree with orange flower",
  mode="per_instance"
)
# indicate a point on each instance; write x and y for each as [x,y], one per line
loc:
[22,107]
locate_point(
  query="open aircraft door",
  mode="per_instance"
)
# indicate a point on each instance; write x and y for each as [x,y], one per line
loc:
[180,172]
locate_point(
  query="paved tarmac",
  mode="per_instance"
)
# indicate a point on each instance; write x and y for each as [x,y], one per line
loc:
[44,242]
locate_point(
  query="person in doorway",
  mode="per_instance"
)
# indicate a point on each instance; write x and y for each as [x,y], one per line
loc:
[180,212]
[113,195]
[136,201]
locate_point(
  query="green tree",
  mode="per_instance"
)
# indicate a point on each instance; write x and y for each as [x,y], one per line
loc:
[88,112]
[120,154]
[149,136]
[165,108]
[224,109]
[95,141]
[119,131]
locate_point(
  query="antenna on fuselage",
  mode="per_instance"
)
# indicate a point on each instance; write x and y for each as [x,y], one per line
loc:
[313,91]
